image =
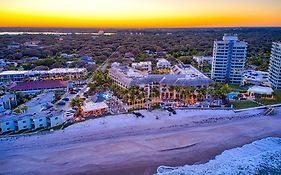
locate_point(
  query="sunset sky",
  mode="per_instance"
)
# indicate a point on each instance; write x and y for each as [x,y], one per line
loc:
[139,13]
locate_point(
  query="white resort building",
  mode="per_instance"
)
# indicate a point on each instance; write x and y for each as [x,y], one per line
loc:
[229,60]
[167,86]
[252,77]
[163,64]
[275,66]
[143,66]
[201,59]
[54,74]
[123,76]
[182,75]
[264,92]
[90,108]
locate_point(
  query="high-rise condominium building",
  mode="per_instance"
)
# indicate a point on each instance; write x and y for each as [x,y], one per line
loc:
[275,66]
[229,57]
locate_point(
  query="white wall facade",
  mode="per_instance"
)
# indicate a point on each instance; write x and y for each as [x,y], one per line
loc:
[275,66]
[229,58]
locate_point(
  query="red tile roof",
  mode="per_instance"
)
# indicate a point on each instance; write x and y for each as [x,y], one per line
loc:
[32,85]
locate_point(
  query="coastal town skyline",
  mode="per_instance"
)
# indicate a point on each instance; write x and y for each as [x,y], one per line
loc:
[140,87]
[139,14]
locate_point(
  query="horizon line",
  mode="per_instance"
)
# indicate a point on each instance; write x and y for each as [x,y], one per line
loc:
[195,27]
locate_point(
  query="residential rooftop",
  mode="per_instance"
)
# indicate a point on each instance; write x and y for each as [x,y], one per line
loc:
[188,70]
[37,85]
[52,71]
[256,75]
[169,79]
[230,37]
[35,104]
[129,72]
[91,106]
[260,90]
[13,72]
[184,75]
[5,118]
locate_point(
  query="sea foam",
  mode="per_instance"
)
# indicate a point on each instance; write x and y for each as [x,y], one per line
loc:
[260,157]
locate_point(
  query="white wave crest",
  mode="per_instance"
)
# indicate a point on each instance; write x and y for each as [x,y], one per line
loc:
[248,159]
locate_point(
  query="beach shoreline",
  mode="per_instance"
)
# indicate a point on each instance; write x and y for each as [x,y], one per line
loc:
[126,145]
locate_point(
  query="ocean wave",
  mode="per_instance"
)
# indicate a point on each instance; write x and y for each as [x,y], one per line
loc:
[260,157]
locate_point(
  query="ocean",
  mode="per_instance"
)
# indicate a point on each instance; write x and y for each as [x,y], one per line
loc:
[262,157]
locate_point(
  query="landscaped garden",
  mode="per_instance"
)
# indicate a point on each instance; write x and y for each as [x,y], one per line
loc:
[235,88]
[244,104]
[276,100]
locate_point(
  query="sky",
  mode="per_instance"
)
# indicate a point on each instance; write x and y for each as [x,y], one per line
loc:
[139,13]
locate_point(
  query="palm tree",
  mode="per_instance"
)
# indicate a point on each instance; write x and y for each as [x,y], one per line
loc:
[155,91]
[201,94]
[177,88]
[125,98]
[172,88]
[186,93]
[77,101]
[225,89]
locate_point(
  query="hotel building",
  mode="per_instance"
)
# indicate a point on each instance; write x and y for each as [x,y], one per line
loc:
[229,57]
[184,77]
[123,76]
[275,66]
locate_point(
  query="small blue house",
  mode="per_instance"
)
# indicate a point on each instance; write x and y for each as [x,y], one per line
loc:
[55,119]
[87,59]
[7,101]
[39,122]
[24,123]
[8,124]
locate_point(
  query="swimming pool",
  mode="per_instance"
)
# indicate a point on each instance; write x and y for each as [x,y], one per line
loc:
[102,96]
[231,95]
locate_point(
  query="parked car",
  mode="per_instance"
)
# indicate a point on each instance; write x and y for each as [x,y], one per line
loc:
[137,114]
[65,99]
[61,103]
[170,109]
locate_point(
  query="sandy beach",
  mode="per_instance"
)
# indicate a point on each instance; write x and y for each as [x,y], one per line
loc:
[124,144]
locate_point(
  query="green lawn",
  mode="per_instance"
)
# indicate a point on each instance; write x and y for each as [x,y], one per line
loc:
[235,88]
[244,104]
[271,102]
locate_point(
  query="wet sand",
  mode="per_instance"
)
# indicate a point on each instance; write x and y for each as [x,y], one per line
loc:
[138,149]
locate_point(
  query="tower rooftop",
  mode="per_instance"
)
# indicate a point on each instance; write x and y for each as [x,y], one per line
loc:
[230,37]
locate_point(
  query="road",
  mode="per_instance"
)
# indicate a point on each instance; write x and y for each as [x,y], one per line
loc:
[67,107]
